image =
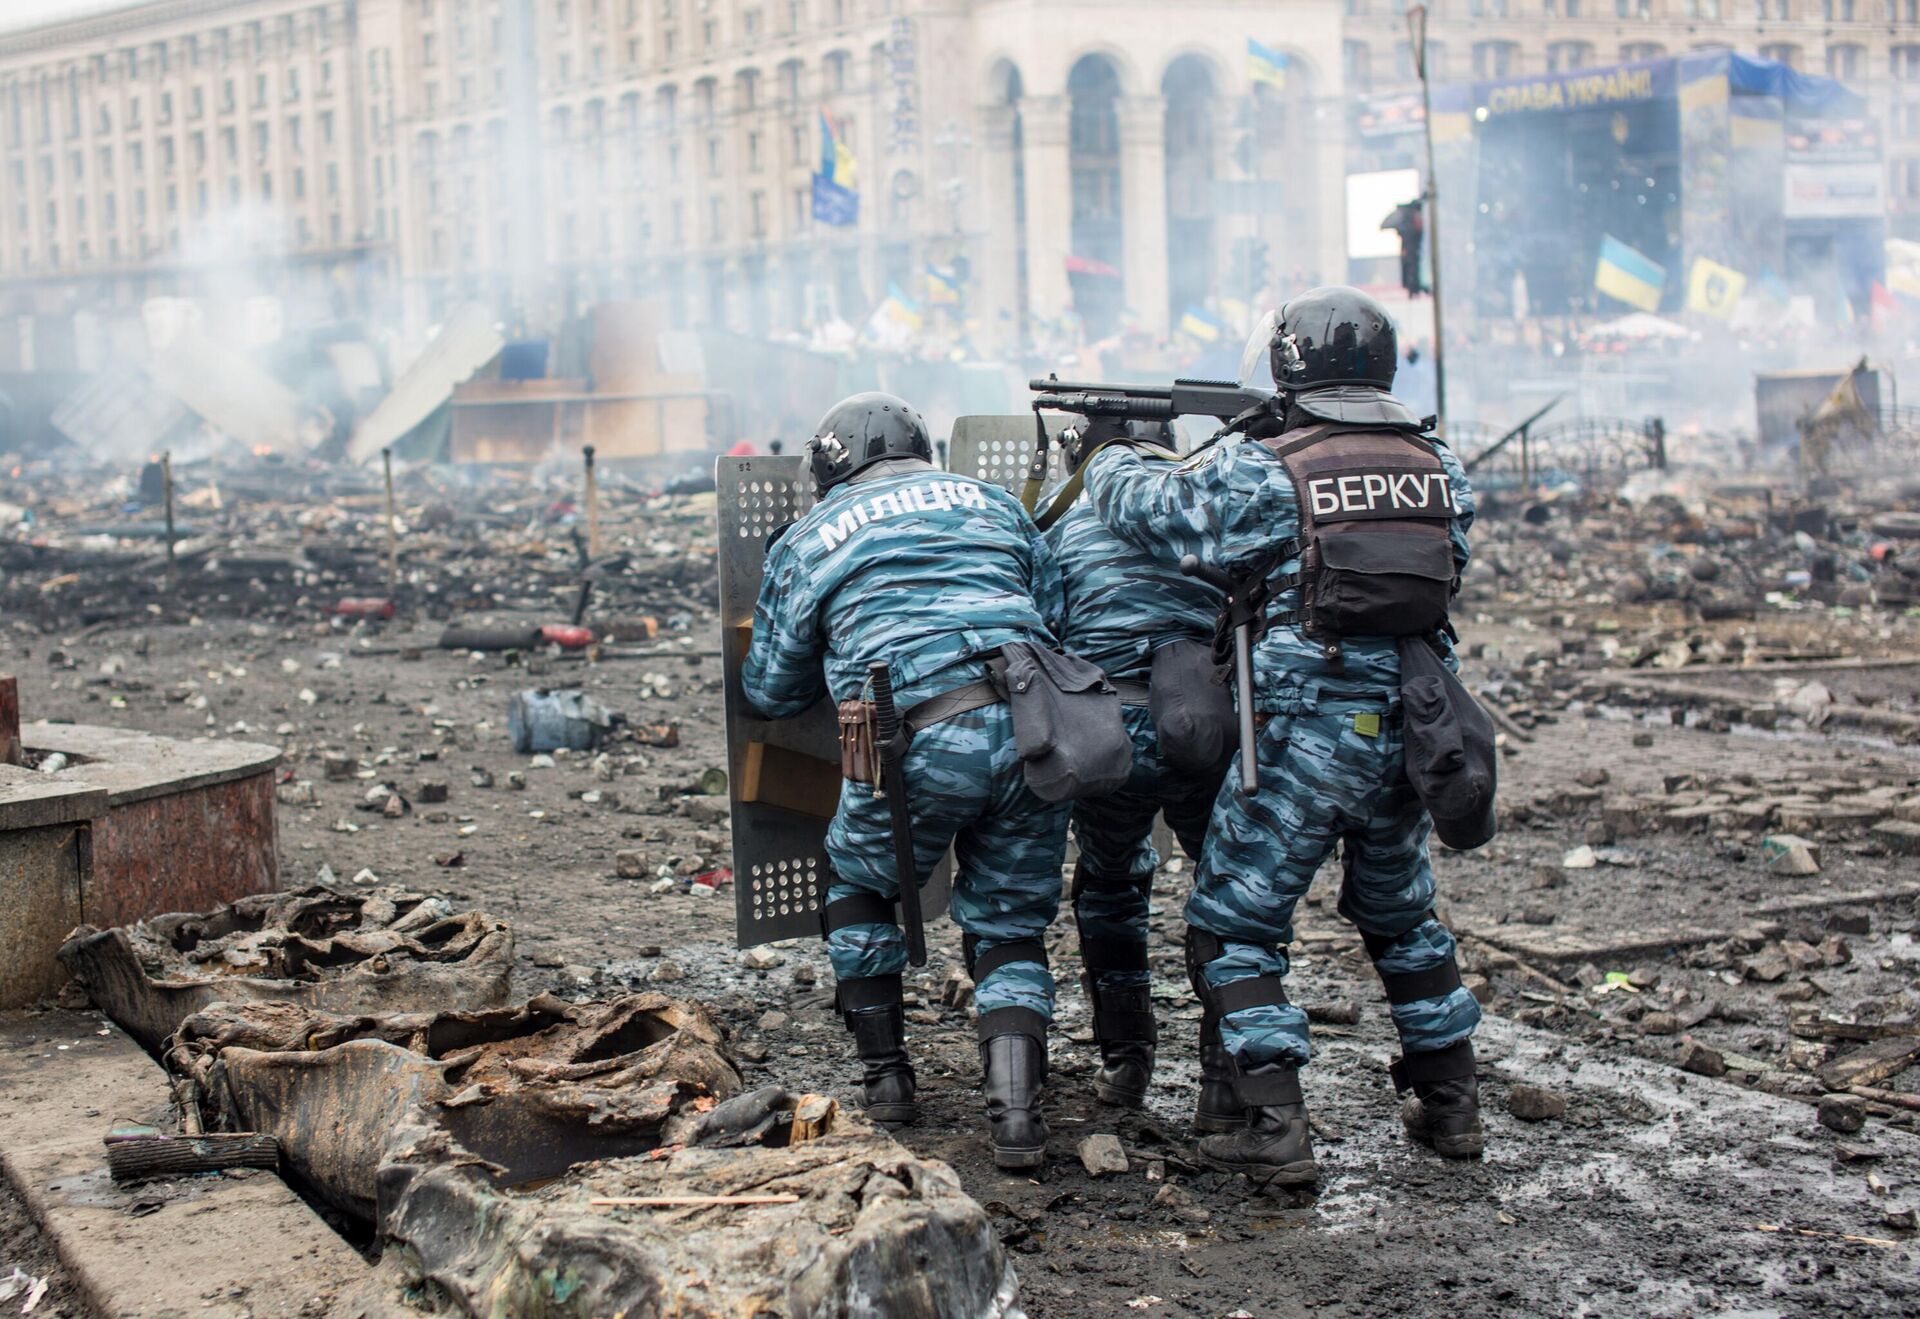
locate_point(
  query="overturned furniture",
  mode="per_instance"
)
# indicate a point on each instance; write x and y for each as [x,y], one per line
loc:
[577,1160]
[384,950]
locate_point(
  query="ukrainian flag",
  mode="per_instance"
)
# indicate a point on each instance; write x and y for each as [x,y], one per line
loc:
[1266,65]
[1196,322]
[836,201]
[836,157]
[1628,275]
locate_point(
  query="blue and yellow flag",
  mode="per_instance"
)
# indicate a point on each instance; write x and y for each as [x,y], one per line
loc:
[943,286]
[1266,65]
[1628,275]
[1714,289]
[1197,322]
[836,196]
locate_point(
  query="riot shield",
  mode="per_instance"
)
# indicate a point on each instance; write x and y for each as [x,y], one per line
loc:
[998,449]
[783,775]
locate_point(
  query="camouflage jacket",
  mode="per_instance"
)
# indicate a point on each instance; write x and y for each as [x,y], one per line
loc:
[923,569]
[1230,505]
[1123,603]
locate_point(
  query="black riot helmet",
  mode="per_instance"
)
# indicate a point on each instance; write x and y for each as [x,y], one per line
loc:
[1335,335]
[861,430]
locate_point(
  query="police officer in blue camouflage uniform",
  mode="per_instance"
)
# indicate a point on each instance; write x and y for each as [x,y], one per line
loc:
[1331,753]
[932,573]
[1123,605]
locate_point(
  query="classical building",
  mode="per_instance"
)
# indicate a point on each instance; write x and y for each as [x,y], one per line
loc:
[1045,155]
[1006,164]
[144,148]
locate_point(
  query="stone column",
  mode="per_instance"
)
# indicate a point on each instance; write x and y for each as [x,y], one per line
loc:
[1143,190]
[995,249]
[1049,204]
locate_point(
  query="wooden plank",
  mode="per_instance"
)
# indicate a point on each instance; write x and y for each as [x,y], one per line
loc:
[791,780]
[1872,1064]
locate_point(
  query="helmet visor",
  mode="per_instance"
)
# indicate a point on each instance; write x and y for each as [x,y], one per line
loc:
[1254,358]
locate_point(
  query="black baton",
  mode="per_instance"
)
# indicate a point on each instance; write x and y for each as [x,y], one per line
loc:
[1242,668]
[890,740]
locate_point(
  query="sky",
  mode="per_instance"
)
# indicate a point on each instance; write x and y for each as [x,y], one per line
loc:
[27,13]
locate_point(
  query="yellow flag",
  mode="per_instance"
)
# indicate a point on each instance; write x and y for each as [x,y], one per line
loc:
[1714,289]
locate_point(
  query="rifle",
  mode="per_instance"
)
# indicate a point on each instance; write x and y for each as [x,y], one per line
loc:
[1228,400]
[1233,404]
[890,740]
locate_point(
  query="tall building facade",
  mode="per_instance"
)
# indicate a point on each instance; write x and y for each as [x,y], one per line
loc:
[1029,167]
[144,148]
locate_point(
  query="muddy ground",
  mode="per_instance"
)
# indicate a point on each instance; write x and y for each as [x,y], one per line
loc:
[1657,1193]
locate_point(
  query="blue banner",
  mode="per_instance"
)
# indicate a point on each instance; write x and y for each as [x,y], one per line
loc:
[834,205]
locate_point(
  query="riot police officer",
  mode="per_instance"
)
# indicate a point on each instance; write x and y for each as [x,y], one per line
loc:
[931,573]
[1355,522]
[1124,606]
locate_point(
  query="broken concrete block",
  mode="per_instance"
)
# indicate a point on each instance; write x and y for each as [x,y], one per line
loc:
[629,864]
[1102,1154]
[761,958]
[1901,837]
[1790,854]
[1535,1103]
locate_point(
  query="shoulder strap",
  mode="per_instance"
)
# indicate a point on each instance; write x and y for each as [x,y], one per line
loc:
[1063,498]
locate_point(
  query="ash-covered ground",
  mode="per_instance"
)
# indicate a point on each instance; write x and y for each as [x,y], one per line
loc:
[1695,935]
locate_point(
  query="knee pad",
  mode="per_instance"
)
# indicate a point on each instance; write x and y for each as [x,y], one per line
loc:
[1403,987]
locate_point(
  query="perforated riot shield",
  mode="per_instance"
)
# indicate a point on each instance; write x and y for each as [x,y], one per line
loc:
[998,449]
[783,775]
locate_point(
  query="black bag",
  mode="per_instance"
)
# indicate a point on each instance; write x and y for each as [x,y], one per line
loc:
[1450,751]
[1191,704]
[1067,727]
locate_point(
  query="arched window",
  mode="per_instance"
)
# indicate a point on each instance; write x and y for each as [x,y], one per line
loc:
[1782,52]
[1846,61]
[1357,57]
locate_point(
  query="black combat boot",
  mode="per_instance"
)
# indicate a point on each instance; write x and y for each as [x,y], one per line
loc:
[872,1010]
[1275,1146]
[1126,1032]
[1013,1066]
[1444,1109]
[1215,1110]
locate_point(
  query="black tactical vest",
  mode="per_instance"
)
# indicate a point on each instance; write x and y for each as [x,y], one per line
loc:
[1375,558]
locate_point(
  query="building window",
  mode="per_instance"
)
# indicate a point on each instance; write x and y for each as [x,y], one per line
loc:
[1488,8]
[1633,8]
[1357,59]
[1846,61]
[1495,59]
[196,103]
[1703,8]
[1837,11]
[1635,51]
[1906,63]
[1564,55]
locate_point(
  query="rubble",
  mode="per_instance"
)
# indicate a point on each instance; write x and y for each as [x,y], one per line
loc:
[384,950]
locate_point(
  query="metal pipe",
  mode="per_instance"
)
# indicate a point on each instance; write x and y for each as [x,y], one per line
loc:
[1417,36]
[393,530]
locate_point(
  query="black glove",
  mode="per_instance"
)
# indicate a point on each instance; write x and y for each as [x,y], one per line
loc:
[1088,434]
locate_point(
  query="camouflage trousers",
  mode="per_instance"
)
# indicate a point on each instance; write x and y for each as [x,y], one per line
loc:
[1333,776]
[967,790]
[1114,877]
